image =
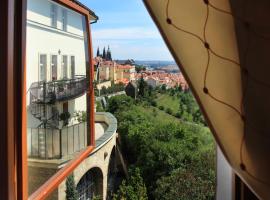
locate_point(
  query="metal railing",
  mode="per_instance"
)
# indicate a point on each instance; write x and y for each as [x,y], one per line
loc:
[59,90]
[56,143]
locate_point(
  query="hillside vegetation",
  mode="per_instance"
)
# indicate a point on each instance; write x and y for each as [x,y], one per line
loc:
[172,157]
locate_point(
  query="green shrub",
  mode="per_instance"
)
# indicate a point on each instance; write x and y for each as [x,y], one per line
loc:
[161,107]
[169,111]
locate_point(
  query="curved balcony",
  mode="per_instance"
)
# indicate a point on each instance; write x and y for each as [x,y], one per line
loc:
[59,90]
[61,144]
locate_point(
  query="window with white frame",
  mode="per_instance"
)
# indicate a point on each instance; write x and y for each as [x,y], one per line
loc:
[54,15]
[72,66]
[64,19]
[64,66]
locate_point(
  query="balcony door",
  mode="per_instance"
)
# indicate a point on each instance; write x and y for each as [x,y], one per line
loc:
[54,67]
[64,66]
[42,67]
[72,67]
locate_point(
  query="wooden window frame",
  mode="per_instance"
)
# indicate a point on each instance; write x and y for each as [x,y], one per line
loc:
[13,135]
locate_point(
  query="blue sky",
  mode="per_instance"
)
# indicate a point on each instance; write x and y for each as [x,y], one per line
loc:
[128,29]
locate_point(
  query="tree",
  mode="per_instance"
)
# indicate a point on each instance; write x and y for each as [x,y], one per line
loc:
[169,111]
[71,192]
[163,87]
[139,68]
[142,85]
[118,103]
[161,107]
[103,90]
[133,188]
[185,185]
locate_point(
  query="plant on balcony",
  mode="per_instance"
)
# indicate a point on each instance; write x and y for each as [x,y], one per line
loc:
[71,192]
[81,116]
[60,87]
[65,117]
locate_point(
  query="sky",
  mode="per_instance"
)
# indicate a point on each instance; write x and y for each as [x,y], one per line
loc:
[128,29]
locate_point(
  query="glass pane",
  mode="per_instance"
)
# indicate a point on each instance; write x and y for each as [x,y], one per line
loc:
[72,66]
[42,67]
[64,66]
[57,102]
[54,67]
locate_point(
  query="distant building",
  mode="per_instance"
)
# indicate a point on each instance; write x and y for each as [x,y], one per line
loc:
[154,82]
[131,90]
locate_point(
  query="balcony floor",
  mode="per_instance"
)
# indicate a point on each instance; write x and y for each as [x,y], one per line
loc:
[100,129]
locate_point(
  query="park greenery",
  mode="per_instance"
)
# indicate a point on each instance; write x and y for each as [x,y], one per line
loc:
[110,90]
[71,192]
[168,147]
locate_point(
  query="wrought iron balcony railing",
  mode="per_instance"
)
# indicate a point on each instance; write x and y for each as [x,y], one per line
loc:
[59,90]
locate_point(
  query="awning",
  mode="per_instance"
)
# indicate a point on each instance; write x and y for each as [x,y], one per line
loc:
[223,49]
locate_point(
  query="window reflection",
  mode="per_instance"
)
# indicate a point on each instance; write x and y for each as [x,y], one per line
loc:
[57,81]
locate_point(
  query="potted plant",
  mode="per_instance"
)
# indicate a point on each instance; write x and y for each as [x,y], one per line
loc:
[65,118]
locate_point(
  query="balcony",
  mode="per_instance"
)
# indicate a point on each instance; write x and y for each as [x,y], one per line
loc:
[61,144]
[59,90]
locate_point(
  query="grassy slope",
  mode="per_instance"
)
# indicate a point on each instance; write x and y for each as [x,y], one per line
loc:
[168,102]
[162,116]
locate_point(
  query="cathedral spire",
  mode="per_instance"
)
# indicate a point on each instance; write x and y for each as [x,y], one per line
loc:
[98,53]
[109,54]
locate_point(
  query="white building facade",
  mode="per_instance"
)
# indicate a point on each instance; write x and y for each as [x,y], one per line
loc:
[57,81]
[55,52]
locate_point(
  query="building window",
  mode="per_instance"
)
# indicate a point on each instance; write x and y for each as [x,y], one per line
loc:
[65,107]
[54,15]
[64,66]
[42,67]
[64,19]
[72,66]
[54,67]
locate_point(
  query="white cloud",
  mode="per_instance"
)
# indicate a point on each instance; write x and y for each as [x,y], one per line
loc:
[132,33]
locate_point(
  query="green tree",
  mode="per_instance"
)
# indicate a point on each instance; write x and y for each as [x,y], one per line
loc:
[71,192]
[103,90]
[161,107]
[117,103]
[142,86]
[185,185]
[169,111]
[133,188]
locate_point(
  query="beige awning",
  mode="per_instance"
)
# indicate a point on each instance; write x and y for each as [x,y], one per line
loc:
[223,49]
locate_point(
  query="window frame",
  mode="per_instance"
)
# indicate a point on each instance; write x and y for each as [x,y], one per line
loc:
[51,67]
[53,14]
[39,68]
[64,13]
[64,66]
[72,76]
[13,137]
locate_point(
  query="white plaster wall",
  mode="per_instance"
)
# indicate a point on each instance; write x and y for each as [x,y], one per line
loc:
[225,181]
[44,39]
[51,41]
[39,11]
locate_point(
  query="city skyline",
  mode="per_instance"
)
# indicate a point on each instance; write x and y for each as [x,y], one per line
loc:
[127,38]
